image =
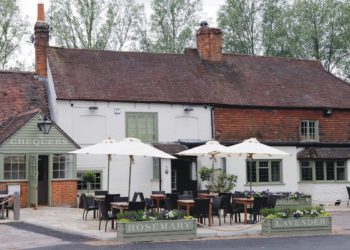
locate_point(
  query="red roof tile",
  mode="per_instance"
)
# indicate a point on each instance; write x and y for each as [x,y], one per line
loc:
[240,80]
[20,95]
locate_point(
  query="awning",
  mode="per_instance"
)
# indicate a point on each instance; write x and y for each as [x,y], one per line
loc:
[171,148]
[324,153]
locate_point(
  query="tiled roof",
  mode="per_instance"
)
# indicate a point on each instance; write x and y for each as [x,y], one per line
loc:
[171,148]
[21,96]
[239,80]
[324,153]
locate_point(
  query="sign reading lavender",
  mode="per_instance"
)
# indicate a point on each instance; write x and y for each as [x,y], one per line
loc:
[156,230]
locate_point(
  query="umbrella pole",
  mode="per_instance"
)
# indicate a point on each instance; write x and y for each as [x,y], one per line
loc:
[130,162]
[109,161]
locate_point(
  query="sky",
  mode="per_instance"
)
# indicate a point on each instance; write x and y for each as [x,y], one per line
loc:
[29,9]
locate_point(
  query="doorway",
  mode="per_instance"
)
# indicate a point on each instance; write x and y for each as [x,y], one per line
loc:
[181,176]
[43,180]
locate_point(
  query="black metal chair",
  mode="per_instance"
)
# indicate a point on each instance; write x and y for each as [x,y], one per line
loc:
[136,205]
[216,207]
[110,198]
[348,189]
[226,203]
[173,197]
[237,209]
[168,205]
[258,204]
[101,192]
[201,209]
[104,215]
[203,191]
[149,204]
[185,197]
[88,206]
[271,201]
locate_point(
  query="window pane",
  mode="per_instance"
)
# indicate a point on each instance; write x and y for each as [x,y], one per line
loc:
[319,170]
[330,170]
[275,171]
[142,126]
[306,171]
[251,175]
[7,175]
[55,174]
[341,173]
[7,167]
[155,168]
[263,171]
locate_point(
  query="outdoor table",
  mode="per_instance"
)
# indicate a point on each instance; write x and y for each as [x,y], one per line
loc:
[3,197]
[190,203]
[99,197]
[158,198]
[120,205]
[245,202]
[207,196]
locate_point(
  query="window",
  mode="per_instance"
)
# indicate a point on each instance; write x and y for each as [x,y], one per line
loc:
[264,171]
[323,170]
[82,185]
[156,164]
[15,167]
[309,130]
[62,166]
[143,126]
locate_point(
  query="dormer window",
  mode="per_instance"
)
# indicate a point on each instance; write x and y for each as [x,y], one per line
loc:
[309,130]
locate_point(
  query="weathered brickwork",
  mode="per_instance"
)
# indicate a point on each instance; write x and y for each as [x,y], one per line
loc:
[279,125]
[24,190]
[209,44]
[64,193]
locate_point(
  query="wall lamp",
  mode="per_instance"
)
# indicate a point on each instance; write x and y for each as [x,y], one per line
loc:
[45,125]
[327,112]
[93,108]
[188,109]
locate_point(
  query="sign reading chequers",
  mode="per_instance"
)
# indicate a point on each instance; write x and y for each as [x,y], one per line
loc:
[159,226]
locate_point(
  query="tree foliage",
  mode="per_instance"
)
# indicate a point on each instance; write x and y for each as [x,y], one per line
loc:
[12,30]
[99,24]
[172,26]
[308,29]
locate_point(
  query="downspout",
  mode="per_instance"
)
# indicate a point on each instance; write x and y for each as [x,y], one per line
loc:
[160,174]
[212,123]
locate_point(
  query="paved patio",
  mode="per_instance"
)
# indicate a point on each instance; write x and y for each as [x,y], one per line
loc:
[69,220]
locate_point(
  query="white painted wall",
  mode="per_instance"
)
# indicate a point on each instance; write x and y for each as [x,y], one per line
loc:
[88,127]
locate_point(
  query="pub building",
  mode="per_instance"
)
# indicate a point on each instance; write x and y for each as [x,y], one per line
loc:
[34,157]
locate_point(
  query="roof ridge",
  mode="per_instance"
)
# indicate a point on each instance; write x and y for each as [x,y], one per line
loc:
[120,52]
[275,57]
[17,72]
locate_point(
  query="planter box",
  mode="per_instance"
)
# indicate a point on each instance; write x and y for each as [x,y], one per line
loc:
[290,203]
[303,226]
[156,230]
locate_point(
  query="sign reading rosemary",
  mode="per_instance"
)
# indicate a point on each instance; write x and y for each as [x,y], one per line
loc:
[159,226]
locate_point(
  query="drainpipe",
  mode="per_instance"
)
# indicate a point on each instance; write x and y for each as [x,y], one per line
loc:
[160,174]
[212,123]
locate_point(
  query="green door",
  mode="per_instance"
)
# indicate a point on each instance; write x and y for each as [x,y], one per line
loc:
[33,180]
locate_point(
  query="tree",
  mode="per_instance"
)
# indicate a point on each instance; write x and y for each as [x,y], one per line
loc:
[99,24]
[12,30]
[239,20]
[172,25]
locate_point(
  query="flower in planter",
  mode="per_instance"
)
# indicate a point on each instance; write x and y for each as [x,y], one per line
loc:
[282,214]
[314,213]
[297,214]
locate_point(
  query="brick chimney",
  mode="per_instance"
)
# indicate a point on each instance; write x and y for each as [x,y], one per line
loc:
[209,43]
[41,33]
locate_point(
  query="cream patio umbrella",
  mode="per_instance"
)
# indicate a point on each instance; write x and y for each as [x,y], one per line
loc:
[211,148]
[127,147]
[250,148]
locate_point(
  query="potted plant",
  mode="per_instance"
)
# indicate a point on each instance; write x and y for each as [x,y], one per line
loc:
[296,221]
[217,180]
[88,177]
[295,199]
[135,226]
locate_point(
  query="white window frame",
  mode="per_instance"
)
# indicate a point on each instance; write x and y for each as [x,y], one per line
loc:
[309,136]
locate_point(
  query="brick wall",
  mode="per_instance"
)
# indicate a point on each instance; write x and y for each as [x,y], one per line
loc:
[64,193]
[24,191]
[278,125]
[41,31]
